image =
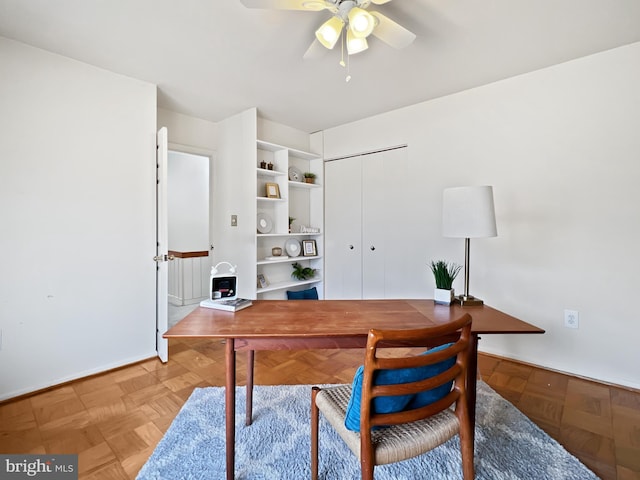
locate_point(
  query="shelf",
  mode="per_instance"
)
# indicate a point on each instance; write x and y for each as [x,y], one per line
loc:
[272,147]
[270,173]
[283,285]
[293,234]
[268,199]
[303,184]
[303,155]
[288,259]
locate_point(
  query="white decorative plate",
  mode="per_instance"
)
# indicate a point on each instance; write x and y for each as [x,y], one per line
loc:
[295,175]
[292,247]
[264,224]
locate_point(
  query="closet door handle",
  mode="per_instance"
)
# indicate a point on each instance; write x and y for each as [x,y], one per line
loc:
[372,248]
[350,247]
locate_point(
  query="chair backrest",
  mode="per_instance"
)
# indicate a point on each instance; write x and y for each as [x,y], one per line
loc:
[453,340]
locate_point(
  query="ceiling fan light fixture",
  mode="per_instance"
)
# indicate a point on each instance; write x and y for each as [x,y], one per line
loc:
[314,5]
[361,22]
[329,32]
[355,44]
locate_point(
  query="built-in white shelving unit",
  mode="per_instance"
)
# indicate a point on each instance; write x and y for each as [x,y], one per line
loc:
[298,200]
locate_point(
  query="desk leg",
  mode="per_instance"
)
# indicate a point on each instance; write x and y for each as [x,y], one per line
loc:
[472,376]
[249,395]
[230,403]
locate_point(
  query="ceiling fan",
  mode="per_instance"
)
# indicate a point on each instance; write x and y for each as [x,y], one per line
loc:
[351,16]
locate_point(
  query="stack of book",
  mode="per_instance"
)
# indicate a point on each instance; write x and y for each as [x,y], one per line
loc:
[230,305]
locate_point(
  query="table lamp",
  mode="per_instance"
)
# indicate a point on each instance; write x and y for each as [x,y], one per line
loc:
[468,212]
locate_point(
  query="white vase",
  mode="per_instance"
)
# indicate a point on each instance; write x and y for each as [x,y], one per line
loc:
[442,296]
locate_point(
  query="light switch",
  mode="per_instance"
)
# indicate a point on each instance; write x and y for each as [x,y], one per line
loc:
[234,220]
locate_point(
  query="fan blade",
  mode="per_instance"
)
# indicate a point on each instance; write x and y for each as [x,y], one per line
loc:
[380,2]
[308,5]
[391,32]
[316,50]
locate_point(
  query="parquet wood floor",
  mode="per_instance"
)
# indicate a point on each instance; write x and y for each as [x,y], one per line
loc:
[114,420]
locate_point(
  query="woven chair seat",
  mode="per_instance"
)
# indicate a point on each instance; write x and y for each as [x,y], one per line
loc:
[393,443]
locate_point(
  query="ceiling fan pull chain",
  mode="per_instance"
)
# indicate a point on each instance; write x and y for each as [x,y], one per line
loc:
[348,68]
[342,60]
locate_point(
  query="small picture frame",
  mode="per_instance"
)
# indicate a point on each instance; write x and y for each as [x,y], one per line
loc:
[309,248]
[272,190]
[262,281]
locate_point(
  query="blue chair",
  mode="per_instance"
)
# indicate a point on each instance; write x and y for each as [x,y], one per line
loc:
[397,421]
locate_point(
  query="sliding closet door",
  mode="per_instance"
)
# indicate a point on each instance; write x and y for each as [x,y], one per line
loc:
[343,229]
[374,212]
[367,252]
[384,205]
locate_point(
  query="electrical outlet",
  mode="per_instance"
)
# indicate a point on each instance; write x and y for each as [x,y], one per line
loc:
[571,319]
[234,220]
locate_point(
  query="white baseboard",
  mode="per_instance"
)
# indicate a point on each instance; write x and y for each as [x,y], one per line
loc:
[77,376]
[617,382]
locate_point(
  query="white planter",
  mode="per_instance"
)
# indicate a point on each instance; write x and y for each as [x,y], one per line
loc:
[443,297]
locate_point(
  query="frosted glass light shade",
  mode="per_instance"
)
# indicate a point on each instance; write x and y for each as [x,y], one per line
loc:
[329,32]
[314,5]
[361,22]
[468,212]
[355,44]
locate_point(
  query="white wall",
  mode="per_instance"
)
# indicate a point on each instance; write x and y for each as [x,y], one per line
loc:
[234,193]
[279,134]
[77,196]
[561,148]
[202,135]
[184,130]
[188,202]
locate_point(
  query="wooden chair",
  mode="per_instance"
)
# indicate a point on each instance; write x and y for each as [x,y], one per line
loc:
[419,426]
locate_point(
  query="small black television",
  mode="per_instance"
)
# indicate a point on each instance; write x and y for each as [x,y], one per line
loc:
[223,287]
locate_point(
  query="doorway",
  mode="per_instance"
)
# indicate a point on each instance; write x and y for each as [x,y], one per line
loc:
[188,218]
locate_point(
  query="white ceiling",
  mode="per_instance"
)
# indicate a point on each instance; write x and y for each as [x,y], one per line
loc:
[214,58]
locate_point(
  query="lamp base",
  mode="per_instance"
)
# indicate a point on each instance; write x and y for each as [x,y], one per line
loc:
[467,301]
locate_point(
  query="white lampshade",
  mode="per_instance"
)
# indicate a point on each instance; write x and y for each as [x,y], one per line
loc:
[329,32]
[355,44]
[314,5]
[468,212]
[361,22]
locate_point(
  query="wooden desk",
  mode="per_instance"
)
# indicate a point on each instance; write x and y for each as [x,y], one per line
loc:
[311,324]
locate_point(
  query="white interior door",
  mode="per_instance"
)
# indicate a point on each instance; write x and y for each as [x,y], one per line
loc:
[162,246]
[343,229]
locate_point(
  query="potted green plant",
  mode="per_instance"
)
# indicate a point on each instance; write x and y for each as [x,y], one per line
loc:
[309,177]
[444,274]
[300,272]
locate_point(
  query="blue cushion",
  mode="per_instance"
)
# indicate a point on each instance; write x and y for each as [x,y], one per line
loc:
[397,403]
[309,294]
[428,397]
